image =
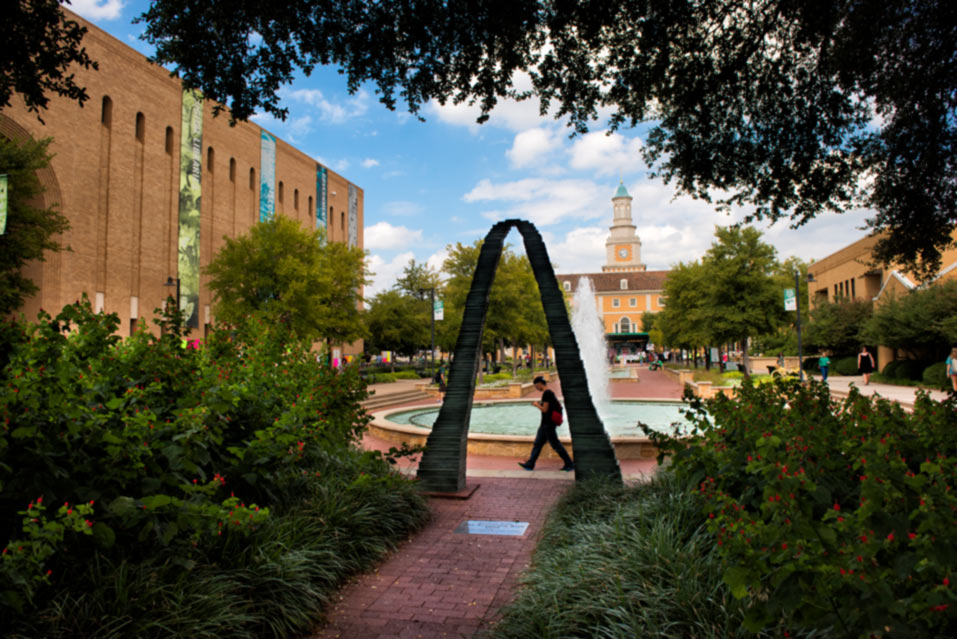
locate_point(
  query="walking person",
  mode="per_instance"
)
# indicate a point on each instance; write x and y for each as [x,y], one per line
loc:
[952,367]
[824,364]
[551,410]
[865,364]
[440,380]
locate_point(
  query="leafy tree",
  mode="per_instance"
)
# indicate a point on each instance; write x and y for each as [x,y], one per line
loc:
[41,46]
[836,326]
[31,230]
[920,323]
[680,321]
[785,106]
[417,277]
[287,274]
[397,322]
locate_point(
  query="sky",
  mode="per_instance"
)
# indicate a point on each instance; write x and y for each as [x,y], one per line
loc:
[445,180]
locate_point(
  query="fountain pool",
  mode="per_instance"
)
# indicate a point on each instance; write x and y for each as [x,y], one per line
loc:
[508,428]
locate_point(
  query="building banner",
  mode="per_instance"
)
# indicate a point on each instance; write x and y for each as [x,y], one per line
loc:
[267,177]
[790,300]
[353,216]
[190,192]
[3,204]
[321,197]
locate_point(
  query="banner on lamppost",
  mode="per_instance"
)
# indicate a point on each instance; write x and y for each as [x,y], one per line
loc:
[190,196]
[438,310]
[790,300]
[3,204]
[321,196]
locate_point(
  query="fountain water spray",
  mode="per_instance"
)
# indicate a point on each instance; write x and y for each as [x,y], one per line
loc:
[590,334]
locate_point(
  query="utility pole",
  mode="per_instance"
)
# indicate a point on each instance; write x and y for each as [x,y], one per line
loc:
[432,312]
[797,299]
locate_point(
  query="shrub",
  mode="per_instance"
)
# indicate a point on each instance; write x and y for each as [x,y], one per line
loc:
[733,375]
[498,377]
[935,375]
[812,364]
[834,517]
[845,365]
[891,370]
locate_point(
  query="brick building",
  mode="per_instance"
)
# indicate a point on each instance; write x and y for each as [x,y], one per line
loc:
[625,289]
[136,218]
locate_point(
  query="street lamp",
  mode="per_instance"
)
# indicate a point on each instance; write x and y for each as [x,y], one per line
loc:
[797,298]
[431,292]
[171,282]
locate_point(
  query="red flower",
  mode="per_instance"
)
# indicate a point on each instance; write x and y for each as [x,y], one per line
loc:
[837,506]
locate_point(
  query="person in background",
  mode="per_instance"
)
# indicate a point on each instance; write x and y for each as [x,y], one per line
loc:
[548,405]
[865,364]
[952,367]
[824,363]
[780,361]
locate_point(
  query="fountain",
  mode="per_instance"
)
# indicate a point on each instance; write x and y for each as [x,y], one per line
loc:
[590,334]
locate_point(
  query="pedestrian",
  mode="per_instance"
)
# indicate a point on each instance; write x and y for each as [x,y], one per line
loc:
[440,380]
[551,410]
[865,364]
[824,364]
[780,361]
[952,367]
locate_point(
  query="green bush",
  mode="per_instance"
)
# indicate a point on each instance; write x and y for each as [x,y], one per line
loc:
[497,377]
[171,455]
[935,376]
[845,365]
[891,369]
[733,375]
[831,517]
[912,369]
[812,364]
[636,563]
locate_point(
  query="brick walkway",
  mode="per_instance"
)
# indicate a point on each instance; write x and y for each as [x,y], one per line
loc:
[447,584]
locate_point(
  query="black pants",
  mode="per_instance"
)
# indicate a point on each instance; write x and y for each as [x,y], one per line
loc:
[546,433]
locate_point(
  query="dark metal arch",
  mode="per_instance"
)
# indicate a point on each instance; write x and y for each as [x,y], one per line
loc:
[442,468]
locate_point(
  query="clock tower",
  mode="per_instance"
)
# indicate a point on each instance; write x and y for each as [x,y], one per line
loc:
[623,248]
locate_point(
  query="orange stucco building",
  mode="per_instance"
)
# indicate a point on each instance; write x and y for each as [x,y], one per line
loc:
[128,166]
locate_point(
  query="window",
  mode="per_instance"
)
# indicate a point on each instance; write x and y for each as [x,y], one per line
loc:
[169,140]
[342,220]
[661,302]
[625,325]
[106,113]
[567,286]
[210,156]
[232,169]
[282,191]
[853,292]
[295,199]
[252,178]
[310,204]
[615,302]
[624,285]
[140,127]
[633,302]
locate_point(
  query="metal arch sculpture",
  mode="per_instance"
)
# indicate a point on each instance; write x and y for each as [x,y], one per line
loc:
[442,468]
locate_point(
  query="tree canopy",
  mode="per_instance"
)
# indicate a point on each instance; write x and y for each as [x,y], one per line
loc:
[287,274]
[31,230]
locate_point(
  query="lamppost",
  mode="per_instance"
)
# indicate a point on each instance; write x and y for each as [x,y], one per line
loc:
[431,292]
[171,282]
[797,299]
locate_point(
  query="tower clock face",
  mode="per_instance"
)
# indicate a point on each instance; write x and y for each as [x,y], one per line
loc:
[622,253]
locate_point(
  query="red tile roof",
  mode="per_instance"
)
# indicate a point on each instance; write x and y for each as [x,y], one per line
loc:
[608,282]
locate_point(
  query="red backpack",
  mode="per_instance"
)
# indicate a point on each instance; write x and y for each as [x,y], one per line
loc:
[557,417]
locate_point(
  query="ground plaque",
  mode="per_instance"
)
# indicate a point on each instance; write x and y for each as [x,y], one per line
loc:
[480,527]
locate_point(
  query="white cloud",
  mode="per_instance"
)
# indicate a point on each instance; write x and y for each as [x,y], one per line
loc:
[582,250]
[606,154]
[402,208]
[437,259]
[368,163]
[98,9]
[508,113]
[331,111]
[385,273]
[384,236]
[542,201]
[342,165]
[533,147]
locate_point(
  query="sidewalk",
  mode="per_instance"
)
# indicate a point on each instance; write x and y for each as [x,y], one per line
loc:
[904,395]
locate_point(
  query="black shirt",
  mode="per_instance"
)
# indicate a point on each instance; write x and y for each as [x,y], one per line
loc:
[548,397]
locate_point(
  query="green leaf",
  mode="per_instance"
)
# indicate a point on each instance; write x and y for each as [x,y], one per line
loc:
[114,403]
[104,535]
[23,432]
[156,501]
[738,579]
[122,506]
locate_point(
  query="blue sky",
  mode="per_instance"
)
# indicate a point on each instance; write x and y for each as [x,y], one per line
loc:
[430,184]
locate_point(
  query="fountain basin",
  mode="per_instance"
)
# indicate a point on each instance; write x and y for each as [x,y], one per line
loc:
[507,429]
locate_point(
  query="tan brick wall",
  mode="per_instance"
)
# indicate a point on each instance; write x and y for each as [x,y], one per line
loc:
[120,190]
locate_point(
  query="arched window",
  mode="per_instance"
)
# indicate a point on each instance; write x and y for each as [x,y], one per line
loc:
[106,114]
[140,127]
[281,191]
[210,156]
[295,199]
[625,325]
[567,286]
[169,140]
[252,178]
[232,169]
[624,284]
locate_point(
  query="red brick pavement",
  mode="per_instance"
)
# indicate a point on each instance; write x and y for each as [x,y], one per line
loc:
[444,584]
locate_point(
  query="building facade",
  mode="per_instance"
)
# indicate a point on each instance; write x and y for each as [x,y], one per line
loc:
[152,182]
[625,289]
[852,273]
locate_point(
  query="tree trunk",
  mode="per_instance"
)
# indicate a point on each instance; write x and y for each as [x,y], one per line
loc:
[514,359]
[745,359]
[531,360]
[501,351]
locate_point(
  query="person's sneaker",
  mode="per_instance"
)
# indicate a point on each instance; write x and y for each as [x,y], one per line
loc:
[526,465]
[568,467]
